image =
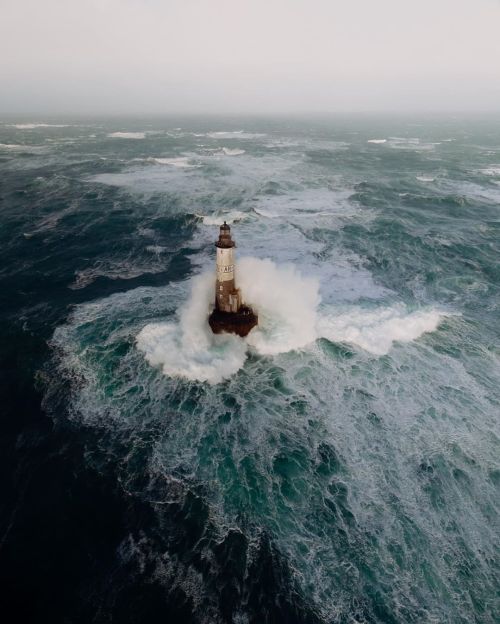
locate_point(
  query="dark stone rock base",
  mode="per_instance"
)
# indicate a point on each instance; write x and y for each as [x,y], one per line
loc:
[240,323]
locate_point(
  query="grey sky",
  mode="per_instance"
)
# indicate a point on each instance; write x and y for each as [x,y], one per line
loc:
[168,56]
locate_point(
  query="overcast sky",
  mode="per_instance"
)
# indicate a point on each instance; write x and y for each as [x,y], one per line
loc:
[263,56]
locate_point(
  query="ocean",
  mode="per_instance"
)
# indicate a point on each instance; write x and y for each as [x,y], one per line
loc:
[341,464]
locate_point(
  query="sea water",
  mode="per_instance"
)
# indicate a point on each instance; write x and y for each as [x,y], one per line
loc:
[341,463]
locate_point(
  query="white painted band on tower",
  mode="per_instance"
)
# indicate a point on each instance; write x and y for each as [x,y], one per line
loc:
[225,264]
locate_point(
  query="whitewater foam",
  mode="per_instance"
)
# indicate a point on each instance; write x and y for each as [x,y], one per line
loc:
[351,461]
[181,162]
[491,171]
[289,320]
[232,216]
[32,126]
[377,330]
[232,152]
[187,348]
[127,135]
[411,143]
[309,204]
[157,249]
[235,134]
[285,301]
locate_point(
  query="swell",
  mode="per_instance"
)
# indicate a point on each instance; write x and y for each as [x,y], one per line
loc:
[263,449]
[346,467]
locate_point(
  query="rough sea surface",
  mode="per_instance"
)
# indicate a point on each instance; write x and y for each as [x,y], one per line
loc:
[341,464]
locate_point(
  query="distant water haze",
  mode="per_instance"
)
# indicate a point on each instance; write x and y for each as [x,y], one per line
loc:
[218,56]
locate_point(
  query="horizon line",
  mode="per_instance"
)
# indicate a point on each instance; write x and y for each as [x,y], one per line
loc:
[253,113]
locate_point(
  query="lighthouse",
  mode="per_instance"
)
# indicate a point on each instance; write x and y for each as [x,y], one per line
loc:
[229,315]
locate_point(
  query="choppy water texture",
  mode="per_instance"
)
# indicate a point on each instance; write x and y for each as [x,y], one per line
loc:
[342,463]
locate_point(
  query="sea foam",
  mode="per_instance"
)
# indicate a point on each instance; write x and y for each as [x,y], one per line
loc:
[232,216]
[290,319]
[227,151]
[181,162]
[376,330]
[33,126]
[491,171]
[127,135]
[285,301]
[235,134]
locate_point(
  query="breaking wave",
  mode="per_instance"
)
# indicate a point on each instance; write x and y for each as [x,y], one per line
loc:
[408,143]
[232,216]
[289,319]
[32,126]
[367,461]
[235,134]
[182,162]
[127,135]
[491,171]
[285,301]
[376,330]
[11,146]
[227,151]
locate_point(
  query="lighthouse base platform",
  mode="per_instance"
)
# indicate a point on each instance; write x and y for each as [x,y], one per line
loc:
[240,323]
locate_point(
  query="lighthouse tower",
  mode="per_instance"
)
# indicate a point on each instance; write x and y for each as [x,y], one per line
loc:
[229,315]
[227,296]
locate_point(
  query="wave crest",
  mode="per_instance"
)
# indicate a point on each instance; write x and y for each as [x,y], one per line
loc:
[376,330]
[127,135]
[287,303]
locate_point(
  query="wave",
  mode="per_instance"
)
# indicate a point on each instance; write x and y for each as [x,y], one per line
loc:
[233,216]
[232,152]
[127,135]
[182,162]
[32,126]
[186,348]
[473,191]
[220,151]
[404,143]
[377,330]
[491,171]
[235,134]
[289,320]
[309,204]
[410,143]
[285,301]
[371,433]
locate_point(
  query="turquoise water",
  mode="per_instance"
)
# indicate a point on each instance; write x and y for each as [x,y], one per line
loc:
[342,463]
